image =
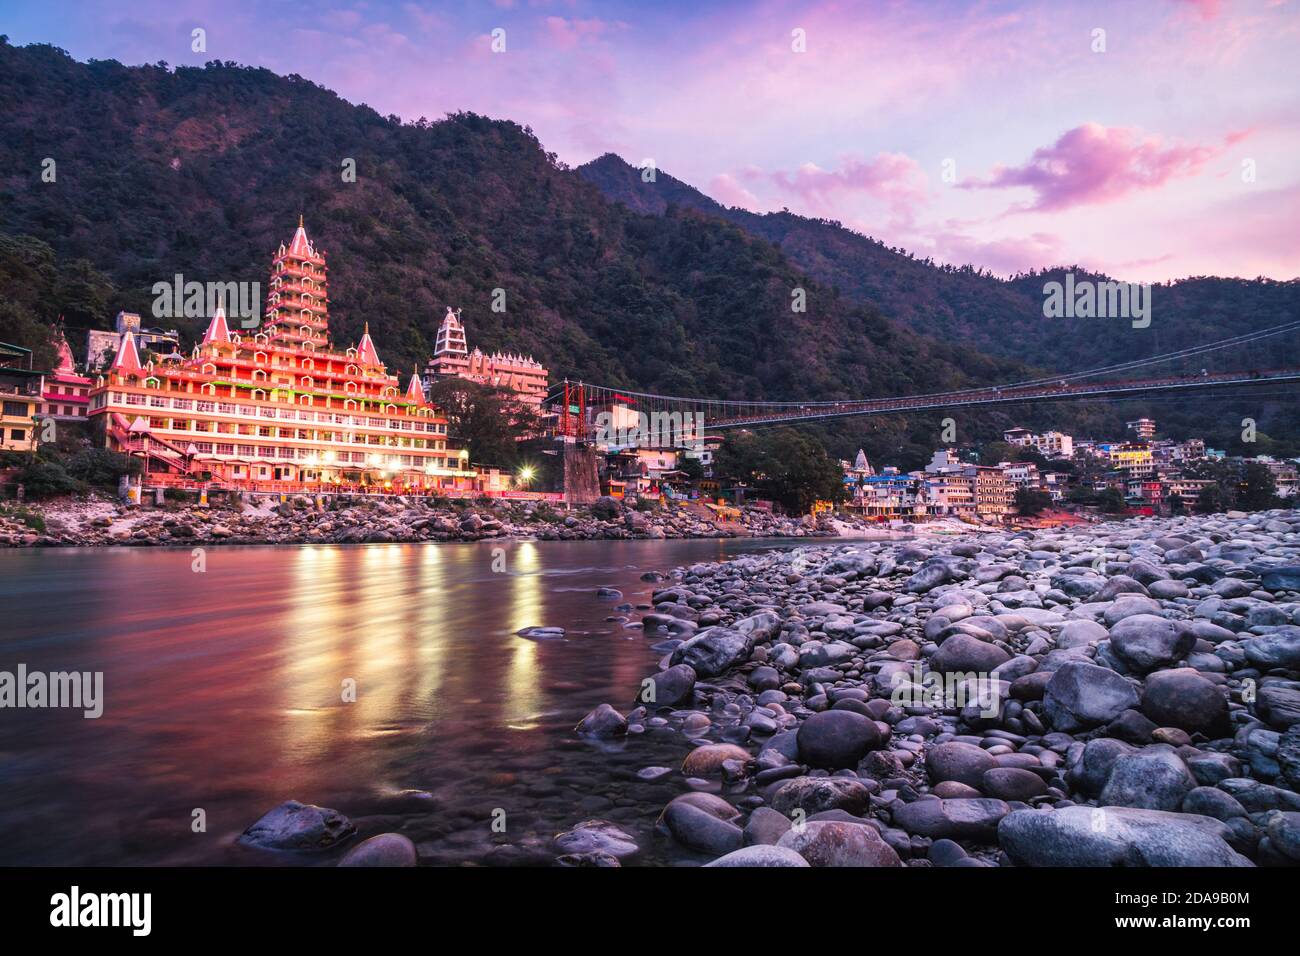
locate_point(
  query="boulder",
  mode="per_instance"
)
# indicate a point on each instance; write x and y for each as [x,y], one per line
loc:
[1081,695]
[959,819]
[714,650]
[596,836]
[700,829]
[1153,778]
[604,722]
[673,686]
[298,826]
[1115,836]
[818,794]
[1145,642]
[1278,649]
[386,849]
[761,855]
[835,739]
[1183,698]
[838,843]
[964,763]
[707,760]
[964,653]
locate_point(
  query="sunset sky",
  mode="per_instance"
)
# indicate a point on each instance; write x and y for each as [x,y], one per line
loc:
[1134,161]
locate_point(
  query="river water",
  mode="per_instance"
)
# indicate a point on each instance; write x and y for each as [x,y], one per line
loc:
[223,697]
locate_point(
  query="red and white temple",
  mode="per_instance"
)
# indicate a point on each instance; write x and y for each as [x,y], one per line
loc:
[278,408]
[522,375]
[67,394]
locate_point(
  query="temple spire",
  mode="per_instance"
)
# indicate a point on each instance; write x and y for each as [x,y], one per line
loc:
[217,331]
[127,358]
[367,354]
[415,391]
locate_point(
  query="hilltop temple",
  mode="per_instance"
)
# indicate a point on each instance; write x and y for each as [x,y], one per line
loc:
[520,374]
[279,408]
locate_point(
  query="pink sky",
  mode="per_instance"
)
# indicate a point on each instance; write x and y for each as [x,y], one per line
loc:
[997,134]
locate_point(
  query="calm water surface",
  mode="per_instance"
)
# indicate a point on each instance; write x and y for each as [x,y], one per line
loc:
[223,692]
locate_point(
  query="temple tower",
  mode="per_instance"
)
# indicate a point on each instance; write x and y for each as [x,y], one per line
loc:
[297,305]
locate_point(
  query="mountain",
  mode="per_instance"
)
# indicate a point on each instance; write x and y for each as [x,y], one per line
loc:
[204,171]
[1005,317]
[997,316]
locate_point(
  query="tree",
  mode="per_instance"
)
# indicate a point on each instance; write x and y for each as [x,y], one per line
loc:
[997,451]
[1209,501]
[1257,490]
[1111,501]
[1176,504]
[488,421]
[1031,501]
[788,466]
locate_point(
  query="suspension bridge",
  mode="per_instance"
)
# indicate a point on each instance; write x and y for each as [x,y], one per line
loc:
[572,400]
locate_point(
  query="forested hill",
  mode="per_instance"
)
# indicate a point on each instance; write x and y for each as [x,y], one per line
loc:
[204,171]
[997,316]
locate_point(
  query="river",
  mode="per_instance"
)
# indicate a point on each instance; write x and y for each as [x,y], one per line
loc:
[223,697]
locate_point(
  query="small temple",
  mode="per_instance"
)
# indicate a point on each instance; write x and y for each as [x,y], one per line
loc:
[66,395]
[280,408]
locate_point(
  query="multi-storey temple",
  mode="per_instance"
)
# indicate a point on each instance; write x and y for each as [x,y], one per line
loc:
[278,408]
[521,374]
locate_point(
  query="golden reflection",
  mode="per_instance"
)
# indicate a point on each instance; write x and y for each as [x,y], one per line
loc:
[430,627]
[522,696]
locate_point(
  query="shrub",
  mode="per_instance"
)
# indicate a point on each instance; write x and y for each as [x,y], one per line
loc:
[45,479]
[101,467]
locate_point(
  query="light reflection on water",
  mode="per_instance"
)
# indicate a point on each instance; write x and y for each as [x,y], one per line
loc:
[224,691]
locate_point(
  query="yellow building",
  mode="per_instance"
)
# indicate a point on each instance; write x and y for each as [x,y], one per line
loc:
[20,398]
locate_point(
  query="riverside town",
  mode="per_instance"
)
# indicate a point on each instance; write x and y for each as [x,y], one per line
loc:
[542,437]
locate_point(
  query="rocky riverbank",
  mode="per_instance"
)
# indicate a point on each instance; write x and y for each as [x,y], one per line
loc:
[1127,694]
[1117,695]
[101,521]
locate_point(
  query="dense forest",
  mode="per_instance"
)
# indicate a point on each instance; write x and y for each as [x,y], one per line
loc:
[204,171]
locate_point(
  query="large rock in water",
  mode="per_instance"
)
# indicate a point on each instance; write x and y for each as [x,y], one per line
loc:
[386,849]
[715,650]
[1183,698]
[840,843]
[603,722]
[1081,695]
[834,739]
[1153,778]
[1115,836]
[672,686]
[298,826]
[1145,642]
[707,759]
[701,827]
[596,836]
